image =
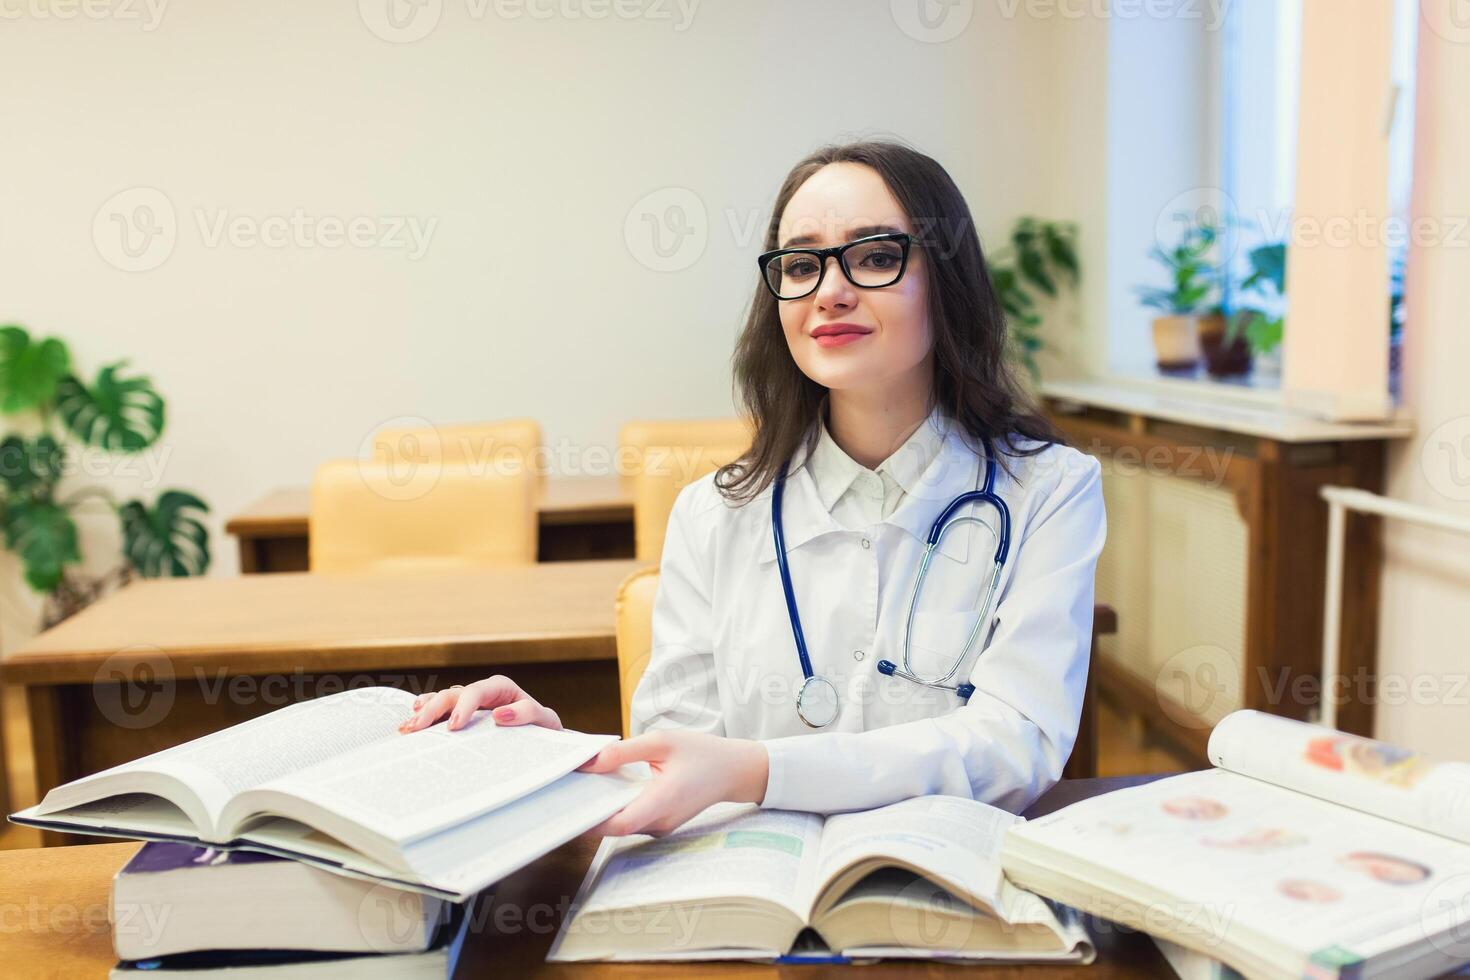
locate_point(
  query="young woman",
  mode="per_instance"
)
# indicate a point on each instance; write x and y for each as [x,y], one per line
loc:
[873,365]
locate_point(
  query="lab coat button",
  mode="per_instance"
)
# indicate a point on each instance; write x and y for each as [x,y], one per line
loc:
[858,655]
[867,544]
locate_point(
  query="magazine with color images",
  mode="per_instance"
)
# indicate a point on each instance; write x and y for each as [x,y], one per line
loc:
[1304,852]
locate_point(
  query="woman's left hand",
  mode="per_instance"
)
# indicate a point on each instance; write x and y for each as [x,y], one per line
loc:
[691,771]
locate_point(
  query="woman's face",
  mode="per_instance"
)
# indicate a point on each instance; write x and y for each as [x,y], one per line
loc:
[887,345]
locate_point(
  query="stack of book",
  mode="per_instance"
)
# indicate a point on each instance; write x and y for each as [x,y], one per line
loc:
[318,841]
[184,911]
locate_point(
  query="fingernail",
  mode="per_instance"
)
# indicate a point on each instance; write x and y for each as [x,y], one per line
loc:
[454,722]
[504,714]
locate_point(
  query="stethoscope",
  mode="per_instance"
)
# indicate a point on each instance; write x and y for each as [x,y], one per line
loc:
[816,701]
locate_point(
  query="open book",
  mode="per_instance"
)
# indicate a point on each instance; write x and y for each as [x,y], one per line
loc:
[918,878]
[1306,852]
[333,783]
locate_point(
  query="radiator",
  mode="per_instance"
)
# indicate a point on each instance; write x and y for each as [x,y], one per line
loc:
[1174,568]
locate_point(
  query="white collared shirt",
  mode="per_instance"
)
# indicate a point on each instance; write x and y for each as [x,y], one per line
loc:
[724,659]
[857,496]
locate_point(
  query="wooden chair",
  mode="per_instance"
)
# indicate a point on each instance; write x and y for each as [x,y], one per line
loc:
[634,629]
[666,456]
[480,445]
[370,516]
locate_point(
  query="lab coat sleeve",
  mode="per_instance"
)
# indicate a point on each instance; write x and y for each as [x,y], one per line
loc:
[678,688]
[1008,744]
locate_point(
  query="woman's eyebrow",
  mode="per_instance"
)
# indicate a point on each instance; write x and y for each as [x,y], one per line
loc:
[856,233]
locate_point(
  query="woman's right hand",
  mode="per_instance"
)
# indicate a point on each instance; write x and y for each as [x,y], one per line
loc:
[512,706]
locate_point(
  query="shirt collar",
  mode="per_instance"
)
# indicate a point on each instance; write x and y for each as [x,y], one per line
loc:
[935,465]
[833,470]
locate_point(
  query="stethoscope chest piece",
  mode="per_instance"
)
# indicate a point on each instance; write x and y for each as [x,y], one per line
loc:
[816,702]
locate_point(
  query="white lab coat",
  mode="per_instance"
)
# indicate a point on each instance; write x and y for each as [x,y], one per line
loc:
[724,661]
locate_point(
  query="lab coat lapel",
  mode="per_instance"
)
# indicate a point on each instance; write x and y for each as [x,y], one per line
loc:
[802,513]
[955,470]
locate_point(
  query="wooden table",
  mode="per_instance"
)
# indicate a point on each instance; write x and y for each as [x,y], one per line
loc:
[202,654]
[581,517]
[56,902]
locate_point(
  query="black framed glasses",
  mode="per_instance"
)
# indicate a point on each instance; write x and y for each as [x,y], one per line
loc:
[868,263]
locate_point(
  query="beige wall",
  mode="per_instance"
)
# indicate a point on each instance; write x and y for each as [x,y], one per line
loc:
[1425,637]
[523,147]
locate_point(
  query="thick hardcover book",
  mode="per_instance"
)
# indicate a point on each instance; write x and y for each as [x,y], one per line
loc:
[333,783]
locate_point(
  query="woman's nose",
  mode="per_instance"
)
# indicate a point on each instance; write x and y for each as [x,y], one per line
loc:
[835,292]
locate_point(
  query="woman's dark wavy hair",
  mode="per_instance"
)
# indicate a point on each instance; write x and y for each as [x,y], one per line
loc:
[975,382]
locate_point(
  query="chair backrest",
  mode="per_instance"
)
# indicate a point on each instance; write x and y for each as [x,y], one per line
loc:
[482,446]
[633,627]
[370,515]
[666,456]
[669,469]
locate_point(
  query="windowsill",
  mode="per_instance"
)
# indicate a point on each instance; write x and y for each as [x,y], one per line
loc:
[1256,388]
[1224,406]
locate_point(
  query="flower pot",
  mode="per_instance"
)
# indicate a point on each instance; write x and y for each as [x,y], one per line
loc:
[1223,360]
[1176,344]
[1269,364]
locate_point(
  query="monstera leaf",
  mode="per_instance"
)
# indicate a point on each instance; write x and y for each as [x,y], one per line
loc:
[29,370]
[30,468]
[116,413]
[45,537]
[168,539]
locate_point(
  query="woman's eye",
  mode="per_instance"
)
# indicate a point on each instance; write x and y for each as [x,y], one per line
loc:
[800,268]
[880,260]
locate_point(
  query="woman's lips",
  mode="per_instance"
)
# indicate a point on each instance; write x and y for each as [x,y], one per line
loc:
[840,338]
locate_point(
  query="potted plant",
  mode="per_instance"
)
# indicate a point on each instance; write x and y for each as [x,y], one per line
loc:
[1190,312]
[117,414]
[1263,329]
[1040,256]
[1396,321]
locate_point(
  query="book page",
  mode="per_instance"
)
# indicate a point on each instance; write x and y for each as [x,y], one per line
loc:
[1362,773]
[463,860]
[955,840]
[730,851]
[1219,853]
[411,786]
[219,765]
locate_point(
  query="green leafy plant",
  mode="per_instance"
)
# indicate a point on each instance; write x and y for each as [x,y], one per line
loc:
[1040,257]
[1193,271]
[1396,294]
[116,413]
[1263,331]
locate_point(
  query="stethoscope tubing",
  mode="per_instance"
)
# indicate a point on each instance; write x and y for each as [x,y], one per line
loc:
[986,495]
